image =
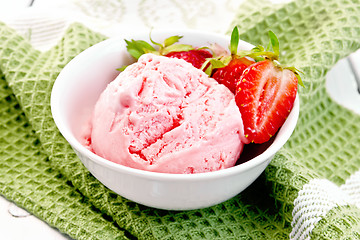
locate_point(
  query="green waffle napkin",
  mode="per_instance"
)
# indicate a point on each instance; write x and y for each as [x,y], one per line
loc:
[40,172]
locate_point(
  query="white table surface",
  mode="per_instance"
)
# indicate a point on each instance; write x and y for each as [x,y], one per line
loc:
[17,224]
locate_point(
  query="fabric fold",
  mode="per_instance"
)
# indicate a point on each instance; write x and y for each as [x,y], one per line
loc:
[313,37]
[28,179]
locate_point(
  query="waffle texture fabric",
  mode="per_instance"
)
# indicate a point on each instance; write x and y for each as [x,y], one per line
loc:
[40,172]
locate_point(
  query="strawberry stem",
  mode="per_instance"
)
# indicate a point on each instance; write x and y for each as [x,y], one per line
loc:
[255,55]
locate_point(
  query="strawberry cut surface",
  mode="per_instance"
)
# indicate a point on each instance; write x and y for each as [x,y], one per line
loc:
[265,96]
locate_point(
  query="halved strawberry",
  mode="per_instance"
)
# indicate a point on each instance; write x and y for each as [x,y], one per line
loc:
[266,92]
[265,96]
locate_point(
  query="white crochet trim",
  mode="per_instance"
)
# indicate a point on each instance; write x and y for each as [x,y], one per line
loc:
[45,22]
[352,188]
[317,198]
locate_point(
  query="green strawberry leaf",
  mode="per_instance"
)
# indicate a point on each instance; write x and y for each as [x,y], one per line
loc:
[216,63]
[155,43]
[120,69]
[297,74]
[136,48]
[258,53]
[171,40]
[259,48]
[274,43]
[226,60]
[135,53]
[209,69]
[143,45]
[212,63]
[234,41]
[176,48]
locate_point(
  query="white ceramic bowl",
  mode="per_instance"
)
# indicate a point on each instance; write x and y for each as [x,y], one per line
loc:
[78,87]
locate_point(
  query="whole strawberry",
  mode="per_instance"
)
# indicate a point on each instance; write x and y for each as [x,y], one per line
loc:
[227,69]
[231,73]
[196,56]
[170,48]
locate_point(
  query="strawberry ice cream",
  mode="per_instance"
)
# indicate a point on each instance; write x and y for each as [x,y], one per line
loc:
[164,115]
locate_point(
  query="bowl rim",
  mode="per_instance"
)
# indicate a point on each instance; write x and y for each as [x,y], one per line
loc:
[270,151]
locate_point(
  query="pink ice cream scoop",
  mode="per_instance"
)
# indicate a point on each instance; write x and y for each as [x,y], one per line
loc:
[164,115]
